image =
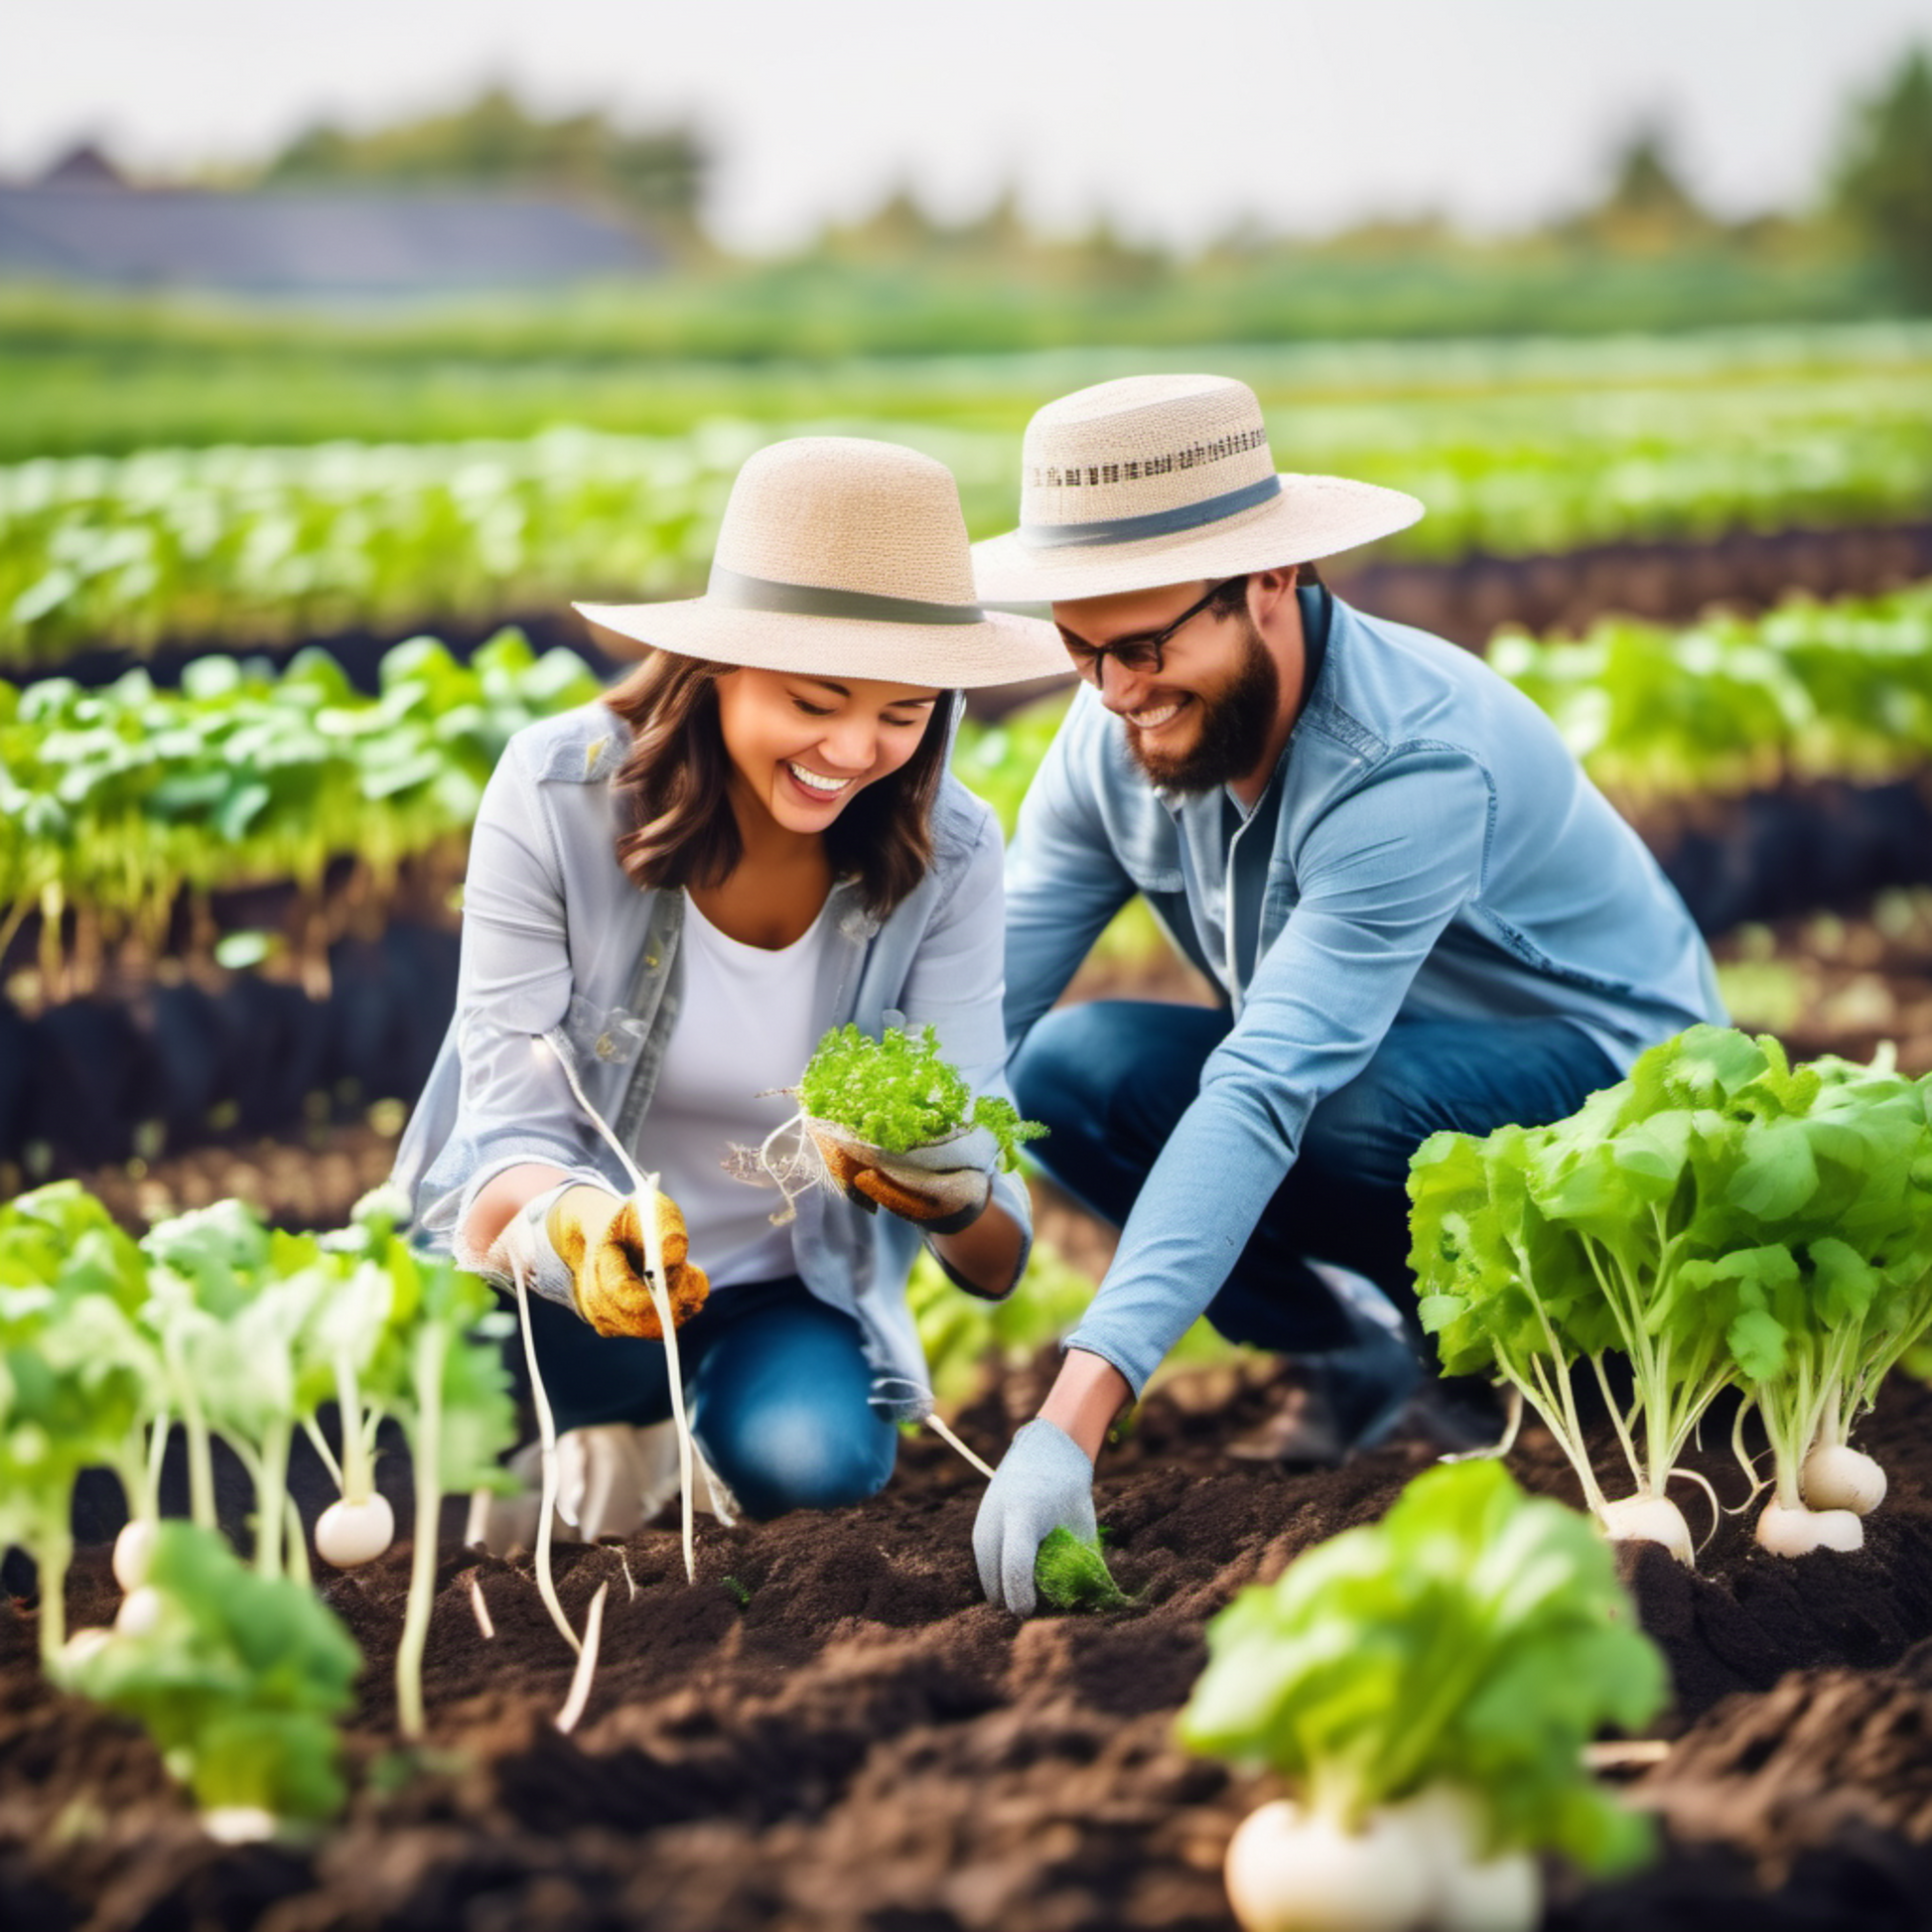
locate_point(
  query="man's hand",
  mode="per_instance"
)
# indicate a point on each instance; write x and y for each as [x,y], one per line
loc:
[941,1188]
[1044,1483]
[599,1237]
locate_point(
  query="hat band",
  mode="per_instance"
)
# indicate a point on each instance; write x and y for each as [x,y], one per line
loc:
[740,593]
[1156,523]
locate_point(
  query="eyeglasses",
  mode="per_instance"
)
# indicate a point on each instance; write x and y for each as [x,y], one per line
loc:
[1144,650]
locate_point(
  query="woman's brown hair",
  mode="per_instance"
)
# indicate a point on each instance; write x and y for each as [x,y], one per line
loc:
[681,829]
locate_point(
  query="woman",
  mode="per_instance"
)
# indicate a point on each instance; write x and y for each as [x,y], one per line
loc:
[672,894]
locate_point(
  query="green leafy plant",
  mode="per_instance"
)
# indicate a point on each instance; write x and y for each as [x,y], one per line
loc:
[78,1385]
[1072,1574]
[1719,1217]
[238,1678]
[898,1092]
[1426,1685]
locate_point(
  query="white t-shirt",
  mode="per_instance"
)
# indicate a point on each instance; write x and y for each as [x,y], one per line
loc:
[748,1023]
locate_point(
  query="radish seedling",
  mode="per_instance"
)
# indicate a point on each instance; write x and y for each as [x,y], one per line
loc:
[1719,1217]
[237,1676]
[1072,1574]
[450,1394]
[1426,1685]
[76,1380]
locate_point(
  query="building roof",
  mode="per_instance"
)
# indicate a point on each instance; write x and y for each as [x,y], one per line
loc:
[302,241]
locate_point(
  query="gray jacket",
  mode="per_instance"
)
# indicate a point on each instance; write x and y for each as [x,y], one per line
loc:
[563,955]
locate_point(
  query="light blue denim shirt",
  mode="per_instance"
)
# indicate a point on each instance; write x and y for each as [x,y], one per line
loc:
[1428,846]
[563,955]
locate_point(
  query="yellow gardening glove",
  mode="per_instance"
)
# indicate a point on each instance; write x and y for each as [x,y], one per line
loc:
[599,1237]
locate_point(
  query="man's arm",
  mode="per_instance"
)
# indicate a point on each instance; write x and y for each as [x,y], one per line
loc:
[1381,876]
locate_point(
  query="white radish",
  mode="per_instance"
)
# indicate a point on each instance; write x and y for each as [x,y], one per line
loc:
[140,1614]
[241,1823]
[89,1641]
[134,1551]
[1837,1477]
[1471,1893]
[349,1534]
[1293,1871]
[1788,1532]
[1649,1519]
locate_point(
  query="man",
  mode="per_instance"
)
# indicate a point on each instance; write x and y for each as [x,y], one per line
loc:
[1419,910]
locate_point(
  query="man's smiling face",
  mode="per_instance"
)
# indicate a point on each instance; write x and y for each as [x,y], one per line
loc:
[1203,717]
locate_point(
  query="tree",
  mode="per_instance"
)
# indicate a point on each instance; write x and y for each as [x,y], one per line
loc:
[1882,184]
[494,142]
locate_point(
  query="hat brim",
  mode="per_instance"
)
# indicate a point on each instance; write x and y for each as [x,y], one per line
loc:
[1313,517]
[1002,649]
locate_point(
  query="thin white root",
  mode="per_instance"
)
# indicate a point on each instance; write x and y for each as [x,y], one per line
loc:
[945,1434]
[547,1436]
[1515,1407]
[630,1582]
[580,1681]
[476,1603]
[1703,1483]
[646,1190]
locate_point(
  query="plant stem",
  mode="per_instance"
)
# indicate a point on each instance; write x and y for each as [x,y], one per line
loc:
[52,1552]
[432,1343]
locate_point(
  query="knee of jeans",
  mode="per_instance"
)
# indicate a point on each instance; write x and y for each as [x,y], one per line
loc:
[1367,1131]
[1055,1075]
[796,1458]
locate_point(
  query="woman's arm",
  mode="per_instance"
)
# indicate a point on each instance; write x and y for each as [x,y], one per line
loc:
[987,1254]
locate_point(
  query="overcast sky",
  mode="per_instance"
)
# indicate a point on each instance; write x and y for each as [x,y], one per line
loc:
[1175,116]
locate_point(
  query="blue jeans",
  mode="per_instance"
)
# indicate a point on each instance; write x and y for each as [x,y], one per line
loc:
[1112,1079]
[775,1382]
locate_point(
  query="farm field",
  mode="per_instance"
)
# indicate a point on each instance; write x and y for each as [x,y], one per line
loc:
[829,1730]
[229,902]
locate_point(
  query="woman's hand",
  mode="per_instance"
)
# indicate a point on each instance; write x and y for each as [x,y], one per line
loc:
[600,1238]
[941,1190]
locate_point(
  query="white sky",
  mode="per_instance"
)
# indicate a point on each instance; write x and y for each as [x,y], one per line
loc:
[1175,116]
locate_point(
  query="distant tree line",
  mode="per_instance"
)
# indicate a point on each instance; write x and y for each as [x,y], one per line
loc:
[1876,199]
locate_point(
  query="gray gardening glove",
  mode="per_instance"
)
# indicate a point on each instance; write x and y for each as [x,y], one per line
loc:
[1043,1483]
[939,1189]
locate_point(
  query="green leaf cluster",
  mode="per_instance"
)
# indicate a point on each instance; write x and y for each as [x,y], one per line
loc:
[78,1377]
[1473,1637]
[238,1680]
[1518,448]
[1072,1574]
[1720,1217]
[118,800]
[1810,690]
[898,1092]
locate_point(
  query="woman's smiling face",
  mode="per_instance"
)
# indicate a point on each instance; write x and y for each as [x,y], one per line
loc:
[802,747]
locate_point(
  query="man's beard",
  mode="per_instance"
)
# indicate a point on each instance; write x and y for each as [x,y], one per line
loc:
[1233,731]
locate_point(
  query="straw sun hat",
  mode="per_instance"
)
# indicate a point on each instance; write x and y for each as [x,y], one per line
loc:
[840,557]
[1163,480]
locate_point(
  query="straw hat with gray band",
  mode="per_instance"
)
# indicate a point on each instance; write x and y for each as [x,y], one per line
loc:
[840,557]
[1163,480]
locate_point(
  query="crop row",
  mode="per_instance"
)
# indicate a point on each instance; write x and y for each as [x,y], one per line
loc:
[1840,690]
[118,804]
[255,546]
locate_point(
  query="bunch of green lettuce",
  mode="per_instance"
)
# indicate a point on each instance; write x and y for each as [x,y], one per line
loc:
[238,1678]
[897,1093]
[1719,1217]
[1475,1640]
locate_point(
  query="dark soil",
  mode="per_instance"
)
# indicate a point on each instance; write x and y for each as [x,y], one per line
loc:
[830,1730]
